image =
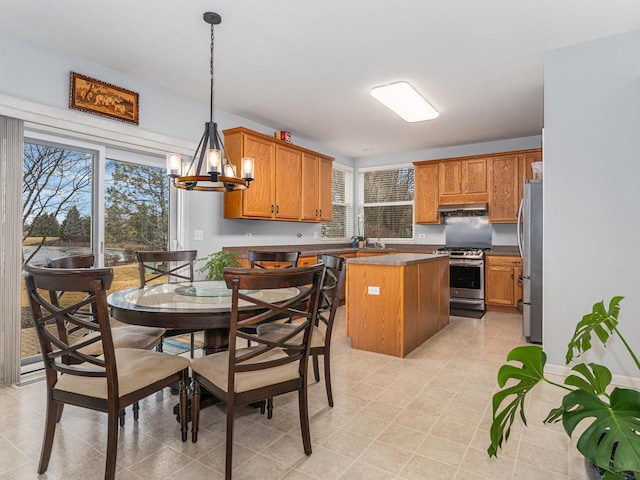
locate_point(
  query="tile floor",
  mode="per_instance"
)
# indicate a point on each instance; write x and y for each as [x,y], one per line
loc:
[422,417]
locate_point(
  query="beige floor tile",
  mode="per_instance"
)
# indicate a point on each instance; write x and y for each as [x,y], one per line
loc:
[421,417]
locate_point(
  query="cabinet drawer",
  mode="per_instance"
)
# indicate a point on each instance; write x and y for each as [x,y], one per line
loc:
[503,260]
[307,260]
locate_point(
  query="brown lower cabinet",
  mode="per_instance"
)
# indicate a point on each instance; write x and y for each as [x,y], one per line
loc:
[502,287]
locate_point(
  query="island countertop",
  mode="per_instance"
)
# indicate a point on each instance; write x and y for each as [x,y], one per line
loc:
[395,259]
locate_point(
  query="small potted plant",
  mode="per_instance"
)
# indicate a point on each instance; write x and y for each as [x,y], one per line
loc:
[359,240]
[216,263]
[611,442]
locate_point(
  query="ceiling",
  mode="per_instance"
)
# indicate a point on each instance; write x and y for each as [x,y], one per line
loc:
[308,66]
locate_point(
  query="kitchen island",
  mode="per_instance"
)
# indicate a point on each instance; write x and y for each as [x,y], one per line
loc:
[396,302]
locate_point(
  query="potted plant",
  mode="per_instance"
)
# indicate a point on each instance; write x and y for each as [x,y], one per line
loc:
[611,441]
[359,240]
[216,263]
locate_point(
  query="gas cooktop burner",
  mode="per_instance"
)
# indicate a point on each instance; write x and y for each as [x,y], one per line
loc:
[464,252]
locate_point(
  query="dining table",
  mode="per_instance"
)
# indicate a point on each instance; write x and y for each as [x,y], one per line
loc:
[199,305]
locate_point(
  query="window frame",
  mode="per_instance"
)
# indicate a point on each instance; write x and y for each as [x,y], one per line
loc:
[362,205]
[348,204]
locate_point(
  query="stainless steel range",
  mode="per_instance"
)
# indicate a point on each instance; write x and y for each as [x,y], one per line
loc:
[467,238]
[466,268]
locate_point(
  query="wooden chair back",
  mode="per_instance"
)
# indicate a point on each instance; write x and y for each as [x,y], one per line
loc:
[73,261]
[336,270]
[263,259]
[84,307]
[251,288]
[174,265]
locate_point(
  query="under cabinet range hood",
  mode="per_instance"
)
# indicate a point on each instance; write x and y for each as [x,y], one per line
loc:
[463,209]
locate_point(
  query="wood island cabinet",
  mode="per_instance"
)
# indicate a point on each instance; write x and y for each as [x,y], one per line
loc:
[278,188]
[502,287]
[396,302]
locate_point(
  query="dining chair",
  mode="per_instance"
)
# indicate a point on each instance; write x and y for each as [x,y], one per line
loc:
[247,375]
[265,259]
[159,266]
[336,269]
[123,337]
[106,383]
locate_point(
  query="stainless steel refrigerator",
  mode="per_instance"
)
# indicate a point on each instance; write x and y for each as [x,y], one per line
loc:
[530,244]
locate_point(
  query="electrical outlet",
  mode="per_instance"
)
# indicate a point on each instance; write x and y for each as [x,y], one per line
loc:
[316,234]
[422,235]
[373,290]
[198,235]
[248,235]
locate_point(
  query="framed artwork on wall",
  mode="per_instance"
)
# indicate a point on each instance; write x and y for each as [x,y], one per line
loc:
[100,98]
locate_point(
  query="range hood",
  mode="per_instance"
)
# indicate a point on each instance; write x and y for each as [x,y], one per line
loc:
[463,209]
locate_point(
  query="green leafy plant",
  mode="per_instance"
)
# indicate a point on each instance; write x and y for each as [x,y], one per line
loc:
[358,238]
[612,439]
[216,263]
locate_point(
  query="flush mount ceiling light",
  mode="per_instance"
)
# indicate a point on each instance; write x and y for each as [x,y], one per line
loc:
[220,172]
[405,101]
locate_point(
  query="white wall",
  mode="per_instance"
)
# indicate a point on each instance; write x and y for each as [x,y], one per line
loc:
[591,193]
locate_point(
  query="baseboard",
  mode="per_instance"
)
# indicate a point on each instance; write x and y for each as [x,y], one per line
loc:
[617,380]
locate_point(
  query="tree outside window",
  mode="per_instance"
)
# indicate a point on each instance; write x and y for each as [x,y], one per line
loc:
[386,198]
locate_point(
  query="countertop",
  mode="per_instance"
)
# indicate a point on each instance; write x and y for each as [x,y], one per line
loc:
[335,249]
[395,260]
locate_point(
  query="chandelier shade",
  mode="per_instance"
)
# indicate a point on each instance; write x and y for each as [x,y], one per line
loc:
[210,168]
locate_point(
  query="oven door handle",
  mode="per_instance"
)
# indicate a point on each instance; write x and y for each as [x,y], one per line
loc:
[466,263]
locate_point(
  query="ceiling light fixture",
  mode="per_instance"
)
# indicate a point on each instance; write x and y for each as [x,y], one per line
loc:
[405,101]
[220,172]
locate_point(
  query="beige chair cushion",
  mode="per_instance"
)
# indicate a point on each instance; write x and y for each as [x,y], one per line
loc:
[215,369]
[136,369]
[125,337]
[274,331]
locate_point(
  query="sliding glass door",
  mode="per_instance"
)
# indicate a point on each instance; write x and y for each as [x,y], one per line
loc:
[78,199]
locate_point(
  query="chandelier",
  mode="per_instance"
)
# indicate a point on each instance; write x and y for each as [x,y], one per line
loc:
[214,171]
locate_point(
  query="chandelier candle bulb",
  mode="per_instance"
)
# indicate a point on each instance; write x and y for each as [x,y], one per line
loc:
[214,161]
[247,168]
[174,164]
[229,170]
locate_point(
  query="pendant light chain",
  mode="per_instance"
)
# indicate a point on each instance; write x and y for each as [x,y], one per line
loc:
[213,85]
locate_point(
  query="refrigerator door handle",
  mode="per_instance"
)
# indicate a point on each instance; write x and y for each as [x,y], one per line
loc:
[519,227]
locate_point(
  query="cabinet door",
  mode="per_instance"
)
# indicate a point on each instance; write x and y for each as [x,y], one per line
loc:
[426,193]
[257,200]
[310,187]
[525,171]
[450,174]
[325,190]
[288,183]
[503,189]
[474,176]
[499,285]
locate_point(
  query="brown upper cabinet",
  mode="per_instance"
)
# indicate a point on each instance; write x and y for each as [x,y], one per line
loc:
[463,181]
[426,195]
[497,179]
[285,186]
[316,188]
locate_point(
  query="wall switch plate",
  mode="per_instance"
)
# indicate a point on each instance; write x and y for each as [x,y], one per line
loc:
[422,235]
[198,235]
[373,290]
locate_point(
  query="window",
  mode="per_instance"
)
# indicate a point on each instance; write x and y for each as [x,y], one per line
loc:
[341,225]
[386,200]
